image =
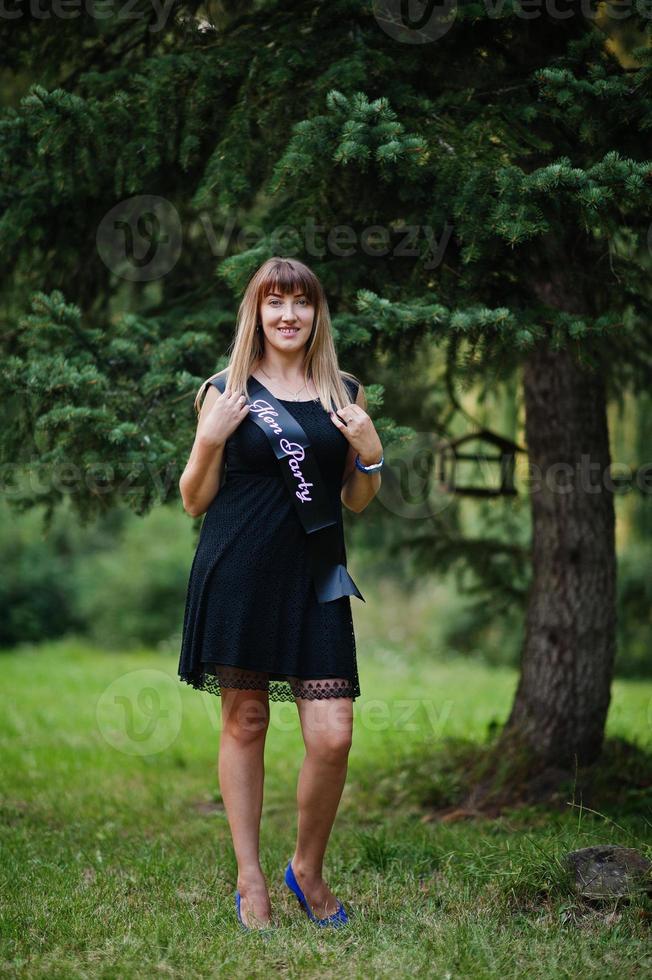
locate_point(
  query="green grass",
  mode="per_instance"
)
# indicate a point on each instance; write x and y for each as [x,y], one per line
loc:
[117,859]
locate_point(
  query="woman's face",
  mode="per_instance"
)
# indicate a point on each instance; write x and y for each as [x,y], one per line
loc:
[287,320]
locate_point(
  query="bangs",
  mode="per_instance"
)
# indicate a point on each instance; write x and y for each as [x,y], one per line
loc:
[287,278]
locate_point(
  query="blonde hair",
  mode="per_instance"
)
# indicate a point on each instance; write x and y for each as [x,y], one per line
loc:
[285,276]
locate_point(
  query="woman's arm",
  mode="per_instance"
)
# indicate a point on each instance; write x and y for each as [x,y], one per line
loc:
[359,488]
[202,477]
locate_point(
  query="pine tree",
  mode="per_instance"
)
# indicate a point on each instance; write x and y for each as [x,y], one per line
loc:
[505,161]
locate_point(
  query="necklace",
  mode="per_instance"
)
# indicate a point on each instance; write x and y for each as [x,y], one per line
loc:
[296,394]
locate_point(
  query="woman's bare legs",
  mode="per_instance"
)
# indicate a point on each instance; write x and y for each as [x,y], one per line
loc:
[327,728]
[245,720]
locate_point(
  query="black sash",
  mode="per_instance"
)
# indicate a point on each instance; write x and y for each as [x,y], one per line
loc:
[304,481]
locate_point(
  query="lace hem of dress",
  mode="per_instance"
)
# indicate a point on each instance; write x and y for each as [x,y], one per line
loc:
[216,676]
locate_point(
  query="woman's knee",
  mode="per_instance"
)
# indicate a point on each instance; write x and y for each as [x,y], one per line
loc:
[331,744]
[328,736]
[245,718]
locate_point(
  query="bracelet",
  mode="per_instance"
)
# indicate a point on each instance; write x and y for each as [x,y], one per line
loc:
[369,469]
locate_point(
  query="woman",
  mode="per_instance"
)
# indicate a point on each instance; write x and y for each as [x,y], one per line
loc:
[268,613]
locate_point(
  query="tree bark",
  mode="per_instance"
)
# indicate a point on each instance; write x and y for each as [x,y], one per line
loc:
[563,695]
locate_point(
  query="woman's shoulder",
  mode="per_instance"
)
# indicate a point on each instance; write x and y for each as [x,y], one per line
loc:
[351,382]
[353,386]
[218,380]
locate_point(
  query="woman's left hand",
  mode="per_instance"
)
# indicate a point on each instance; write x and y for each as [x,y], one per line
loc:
[356,426]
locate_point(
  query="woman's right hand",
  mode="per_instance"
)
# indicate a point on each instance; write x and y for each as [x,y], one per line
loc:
[222,418]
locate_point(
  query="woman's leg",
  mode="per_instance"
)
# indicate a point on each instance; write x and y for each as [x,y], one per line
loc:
[245,720]
[327,728]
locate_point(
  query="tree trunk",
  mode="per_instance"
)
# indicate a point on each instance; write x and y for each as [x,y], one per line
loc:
[561,703]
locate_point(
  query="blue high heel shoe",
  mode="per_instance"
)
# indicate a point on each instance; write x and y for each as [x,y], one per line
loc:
[237,908]
[264,932]
[338,918]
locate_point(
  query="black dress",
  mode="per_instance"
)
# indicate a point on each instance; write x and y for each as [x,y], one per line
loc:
[252,619]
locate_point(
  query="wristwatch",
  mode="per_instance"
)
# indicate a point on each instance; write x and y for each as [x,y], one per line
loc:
[369,469]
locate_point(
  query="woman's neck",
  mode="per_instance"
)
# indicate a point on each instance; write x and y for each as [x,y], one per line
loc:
[283,369]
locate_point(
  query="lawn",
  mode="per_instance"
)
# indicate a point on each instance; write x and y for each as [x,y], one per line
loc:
[116,853]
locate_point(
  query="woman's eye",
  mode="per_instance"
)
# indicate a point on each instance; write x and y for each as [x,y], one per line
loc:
[273,302]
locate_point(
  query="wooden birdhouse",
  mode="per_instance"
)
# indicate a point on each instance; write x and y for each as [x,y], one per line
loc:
[500,464]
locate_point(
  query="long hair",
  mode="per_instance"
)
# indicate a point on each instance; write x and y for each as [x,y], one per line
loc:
[278,275]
